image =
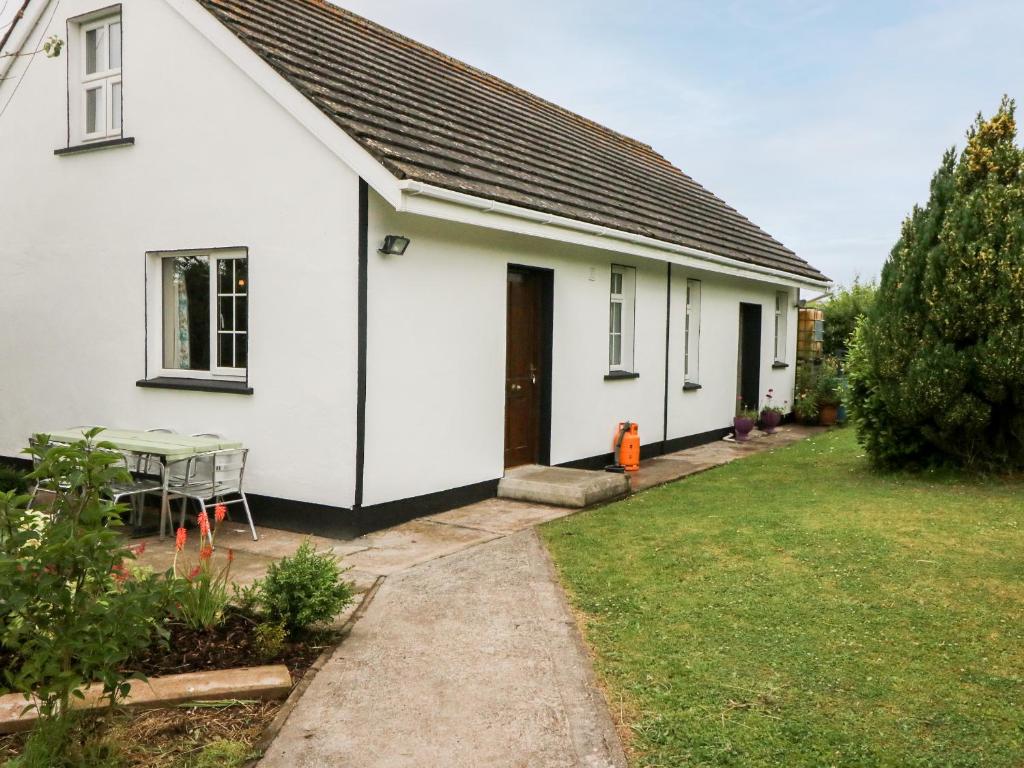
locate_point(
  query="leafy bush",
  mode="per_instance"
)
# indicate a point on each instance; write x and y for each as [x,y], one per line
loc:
[69,613]
[843,309]
[268,640]
[201,594]
[13,479]
[301,590]
[937,372]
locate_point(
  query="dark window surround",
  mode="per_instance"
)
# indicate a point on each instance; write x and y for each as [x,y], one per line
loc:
[691,386]
[78,149]
[197,385]
[616,375]
[778,365]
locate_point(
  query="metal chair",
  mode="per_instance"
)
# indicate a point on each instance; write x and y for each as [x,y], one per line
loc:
[136,488]
[223,480]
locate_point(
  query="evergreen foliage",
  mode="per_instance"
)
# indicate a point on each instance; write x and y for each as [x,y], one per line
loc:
[937,366]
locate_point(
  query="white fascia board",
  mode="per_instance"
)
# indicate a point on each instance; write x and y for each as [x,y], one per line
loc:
[436,202]
[288,96]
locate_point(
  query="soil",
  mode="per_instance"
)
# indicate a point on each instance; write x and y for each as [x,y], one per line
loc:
[227,646]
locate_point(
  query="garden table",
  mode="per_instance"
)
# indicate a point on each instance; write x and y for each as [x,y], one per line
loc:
[166,447]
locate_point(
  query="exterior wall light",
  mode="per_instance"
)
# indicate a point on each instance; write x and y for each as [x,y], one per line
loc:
[394,245]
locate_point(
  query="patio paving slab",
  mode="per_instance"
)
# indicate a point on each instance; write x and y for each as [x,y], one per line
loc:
[466,661]
[501,515]
[396,549]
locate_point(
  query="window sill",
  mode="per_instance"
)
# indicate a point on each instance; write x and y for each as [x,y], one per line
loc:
[197,385]
[777,366]
[691,386]
[616,375]
[92,146]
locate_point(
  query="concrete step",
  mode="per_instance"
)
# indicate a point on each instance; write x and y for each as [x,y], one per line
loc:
[561,487]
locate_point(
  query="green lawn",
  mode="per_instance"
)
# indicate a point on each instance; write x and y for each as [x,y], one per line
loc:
[795,609]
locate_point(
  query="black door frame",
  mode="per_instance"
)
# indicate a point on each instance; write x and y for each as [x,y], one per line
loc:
[547,316]
[751,320]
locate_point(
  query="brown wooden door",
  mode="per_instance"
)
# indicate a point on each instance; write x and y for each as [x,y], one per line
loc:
[523,374]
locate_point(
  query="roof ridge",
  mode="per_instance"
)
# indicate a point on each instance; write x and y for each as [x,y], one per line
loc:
[482,74]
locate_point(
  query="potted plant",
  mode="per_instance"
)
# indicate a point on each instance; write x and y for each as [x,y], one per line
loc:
[771,414]
[744,420]
[827,390]
[805,406]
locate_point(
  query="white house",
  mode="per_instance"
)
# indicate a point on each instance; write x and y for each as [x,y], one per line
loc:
[203,209]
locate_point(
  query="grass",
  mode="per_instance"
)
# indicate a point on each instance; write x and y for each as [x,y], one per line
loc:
[796,609]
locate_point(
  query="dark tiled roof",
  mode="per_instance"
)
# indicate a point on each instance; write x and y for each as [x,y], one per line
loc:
[428,117]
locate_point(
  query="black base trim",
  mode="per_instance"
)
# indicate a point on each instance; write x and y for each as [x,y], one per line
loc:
[345,523]
[197,385]
[652,450]
[79,149]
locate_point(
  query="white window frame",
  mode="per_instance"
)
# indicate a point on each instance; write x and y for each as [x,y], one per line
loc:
[103,80]
[691,333]
[626,300]
[155,316]
[781,325]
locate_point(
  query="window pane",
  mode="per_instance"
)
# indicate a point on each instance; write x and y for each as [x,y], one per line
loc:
[241,275]
[94,119]
[225,356]
[225,275]
[93,52]
[241,350]
[616,283]
[115,106]
[186,311]
[241,313]
[115,45]
[226,314]
[615,325]
[615,349]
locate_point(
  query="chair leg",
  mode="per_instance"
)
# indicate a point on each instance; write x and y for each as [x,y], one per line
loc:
[32,498]
[184,509]
[248,515]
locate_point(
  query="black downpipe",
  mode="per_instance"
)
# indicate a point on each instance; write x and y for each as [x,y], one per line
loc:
[668,334]
[361,294]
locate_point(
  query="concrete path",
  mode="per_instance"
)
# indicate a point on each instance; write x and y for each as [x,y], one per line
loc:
[471,660]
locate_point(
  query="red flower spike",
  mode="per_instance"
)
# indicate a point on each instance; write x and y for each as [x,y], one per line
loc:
[139,550]
[205,553]
[220,512]
[231,555]
[179,539]
[193,573]
[204,524]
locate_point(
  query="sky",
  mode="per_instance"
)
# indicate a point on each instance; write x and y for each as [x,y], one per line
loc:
[822,121]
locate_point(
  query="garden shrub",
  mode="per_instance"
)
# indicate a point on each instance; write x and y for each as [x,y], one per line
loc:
[843,309]
[937,366]
[268,640]
[302,590]
[13,479]
[201,594]
[69,612]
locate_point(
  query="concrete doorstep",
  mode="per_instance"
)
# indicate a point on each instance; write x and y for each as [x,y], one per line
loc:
[270,682]
[561,487]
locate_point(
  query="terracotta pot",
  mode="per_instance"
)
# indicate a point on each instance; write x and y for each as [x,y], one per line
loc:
[827,415]
[742,427]
[770,421]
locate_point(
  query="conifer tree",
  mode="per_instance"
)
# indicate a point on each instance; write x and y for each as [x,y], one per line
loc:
[937,367]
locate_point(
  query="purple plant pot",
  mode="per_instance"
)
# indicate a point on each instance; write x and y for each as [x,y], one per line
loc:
[770,420]
[742,428]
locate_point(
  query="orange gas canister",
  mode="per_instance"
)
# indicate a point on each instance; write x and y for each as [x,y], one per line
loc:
[627,446]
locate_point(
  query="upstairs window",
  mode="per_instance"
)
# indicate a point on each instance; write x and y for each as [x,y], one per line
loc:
[99,91]
[622,302]
[691,334]
[205,314]
[781,333]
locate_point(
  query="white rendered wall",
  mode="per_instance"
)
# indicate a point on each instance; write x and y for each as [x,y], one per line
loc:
[216,163]
[436,353]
